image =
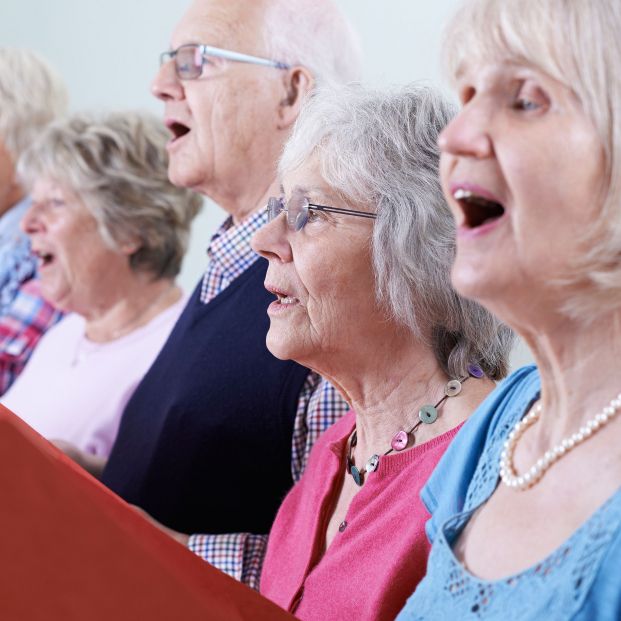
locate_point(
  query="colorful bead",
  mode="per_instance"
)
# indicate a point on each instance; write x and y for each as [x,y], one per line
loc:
[453,388]
[475,371]
[428,414]
[399,441]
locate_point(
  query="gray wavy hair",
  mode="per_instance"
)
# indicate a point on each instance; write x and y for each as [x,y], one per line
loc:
[118,166]
[379,151]
[32,95]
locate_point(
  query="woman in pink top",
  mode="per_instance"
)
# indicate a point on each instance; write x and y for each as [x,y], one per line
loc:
[109,231]
[359,249]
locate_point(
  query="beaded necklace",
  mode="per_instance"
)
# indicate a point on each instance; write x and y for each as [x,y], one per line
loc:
[427,415]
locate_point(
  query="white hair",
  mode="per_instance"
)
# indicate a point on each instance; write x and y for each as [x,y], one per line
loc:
[578,43]
[31,96]
[314,34]
[379,152]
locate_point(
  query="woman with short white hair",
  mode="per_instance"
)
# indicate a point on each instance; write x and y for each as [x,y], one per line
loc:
[359,250]
[527,502]
[109,231]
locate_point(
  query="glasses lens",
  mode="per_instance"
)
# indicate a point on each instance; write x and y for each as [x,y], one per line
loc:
[297,212]
[189,62]
[274,208]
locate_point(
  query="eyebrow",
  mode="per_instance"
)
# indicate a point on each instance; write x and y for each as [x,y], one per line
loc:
[306,190]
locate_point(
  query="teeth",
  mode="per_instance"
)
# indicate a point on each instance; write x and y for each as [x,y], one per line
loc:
[287,300]
[461,194]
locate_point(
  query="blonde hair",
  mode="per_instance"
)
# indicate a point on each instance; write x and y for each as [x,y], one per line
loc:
[32,95]
[577,43]
[118,165]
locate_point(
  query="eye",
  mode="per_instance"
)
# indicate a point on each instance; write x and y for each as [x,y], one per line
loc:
[530,97]
[314,215]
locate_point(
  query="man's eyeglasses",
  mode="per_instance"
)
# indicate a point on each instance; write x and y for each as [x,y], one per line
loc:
[190,59]
[299,209]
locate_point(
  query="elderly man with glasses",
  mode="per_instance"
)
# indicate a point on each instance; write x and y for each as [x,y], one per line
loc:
[219,429]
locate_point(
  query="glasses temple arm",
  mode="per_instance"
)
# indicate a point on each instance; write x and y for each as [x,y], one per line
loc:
[351,212]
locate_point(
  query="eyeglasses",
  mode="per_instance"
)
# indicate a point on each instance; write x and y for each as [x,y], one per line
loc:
[299,209]
[190,59]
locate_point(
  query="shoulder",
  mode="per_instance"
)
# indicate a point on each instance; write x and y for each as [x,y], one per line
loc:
[603,600]
[445,492]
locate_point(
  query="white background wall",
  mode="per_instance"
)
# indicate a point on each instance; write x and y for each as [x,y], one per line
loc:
[107,51]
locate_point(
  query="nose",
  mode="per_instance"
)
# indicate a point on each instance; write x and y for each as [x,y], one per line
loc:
[31,223]
[468,134]
[271,241]
[166,85]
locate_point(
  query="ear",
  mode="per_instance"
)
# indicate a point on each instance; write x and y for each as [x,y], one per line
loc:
[298,83]
[129,246]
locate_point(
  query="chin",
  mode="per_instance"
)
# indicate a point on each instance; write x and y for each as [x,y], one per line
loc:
[282,348]
[475,283]
[184,175]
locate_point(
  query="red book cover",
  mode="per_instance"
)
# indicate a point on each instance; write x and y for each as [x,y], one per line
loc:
[72,550]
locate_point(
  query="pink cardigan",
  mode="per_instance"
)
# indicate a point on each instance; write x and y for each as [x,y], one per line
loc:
[375,562]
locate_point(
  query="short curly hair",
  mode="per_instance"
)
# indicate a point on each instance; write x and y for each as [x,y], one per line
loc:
[118,165]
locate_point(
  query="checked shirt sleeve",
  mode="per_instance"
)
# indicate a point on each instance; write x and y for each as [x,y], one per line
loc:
[239,555]
[21,326]
[319,407]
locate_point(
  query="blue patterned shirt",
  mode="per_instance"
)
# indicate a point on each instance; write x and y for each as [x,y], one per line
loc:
[17,264]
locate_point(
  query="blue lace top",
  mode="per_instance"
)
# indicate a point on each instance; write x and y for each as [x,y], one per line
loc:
[580,580]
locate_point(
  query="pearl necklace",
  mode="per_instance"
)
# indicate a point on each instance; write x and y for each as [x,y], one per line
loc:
[508,474]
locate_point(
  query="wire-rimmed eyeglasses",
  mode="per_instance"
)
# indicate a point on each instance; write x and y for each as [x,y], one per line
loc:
[298,208]
[190,59]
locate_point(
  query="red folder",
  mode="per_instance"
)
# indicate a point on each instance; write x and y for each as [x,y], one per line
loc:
[72,550]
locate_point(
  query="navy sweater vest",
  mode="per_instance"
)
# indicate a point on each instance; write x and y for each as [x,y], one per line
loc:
[204,445]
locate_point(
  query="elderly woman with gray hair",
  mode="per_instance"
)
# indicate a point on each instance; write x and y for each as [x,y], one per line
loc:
[110,232]
[359,249]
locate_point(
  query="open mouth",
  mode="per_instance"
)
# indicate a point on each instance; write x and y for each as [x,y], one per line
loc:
[478,210]
[282,297]
[178,130]
[285,300]
[45,258]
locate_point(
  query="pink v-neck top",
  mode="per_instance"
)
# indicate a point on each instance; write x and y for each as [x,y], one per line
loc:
[380,552]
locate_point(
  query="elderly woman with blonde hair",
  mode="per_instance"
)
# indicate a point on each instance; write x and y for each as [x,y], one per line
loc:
[110,232]
[359,249]
[527,502]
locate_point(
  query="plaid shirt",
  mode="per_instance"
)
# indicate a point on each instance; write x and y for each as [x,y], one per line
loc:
[21,326]
[319,406]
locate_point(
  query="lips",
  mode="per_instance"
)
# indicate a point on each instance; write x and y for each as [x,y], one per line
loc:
[479,206]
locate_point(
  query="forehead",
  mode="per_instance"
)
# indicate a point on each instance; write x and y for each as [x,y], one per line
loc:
[221,23]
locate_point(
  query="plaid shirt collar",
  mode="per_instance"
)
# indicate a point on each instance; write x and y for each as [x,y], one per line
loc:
[230,254]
